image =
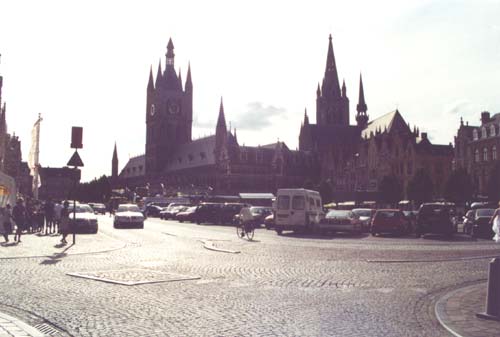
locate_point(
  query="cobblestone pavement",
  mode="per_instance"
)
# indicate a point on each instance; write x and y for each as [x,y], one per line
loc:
[287,285]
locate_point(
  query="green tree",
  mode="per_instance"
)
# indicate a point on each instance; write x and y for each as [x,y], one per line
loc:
[459,188]
[493,188]
[97,190]
[420,188]
[390,190]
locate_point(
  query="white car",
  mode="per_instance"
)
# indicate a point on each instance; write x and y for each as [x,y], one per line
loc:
[83,220]
[128,215]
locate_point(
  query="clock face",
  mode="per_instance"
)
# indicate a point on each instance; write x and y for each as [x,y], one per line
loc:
[174,107]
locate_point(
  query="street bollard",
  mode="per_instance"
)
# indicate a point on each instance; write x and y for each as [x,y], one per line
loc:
[493,295]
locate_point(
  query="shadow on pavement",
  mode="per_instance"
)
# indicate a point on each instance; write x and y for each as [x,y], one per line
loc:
[326,236]
[56,257]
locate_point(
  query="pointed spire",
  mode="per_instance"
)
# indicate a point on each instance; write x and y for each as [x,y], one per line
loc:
[170,53]
[150,82]
[331,80]
[114,163]
[235,137]
[361,107]
[180,79]
[159,76]
[221,120]
[344,89]
[461,121]
[189,84]
[318,91]
[306,118]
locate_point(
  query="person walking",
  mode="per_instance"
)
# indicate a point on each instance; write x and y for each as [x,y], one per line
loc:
[64,223]
[49,216]
[19,216]
[7,223]
[57,217]
[495,224]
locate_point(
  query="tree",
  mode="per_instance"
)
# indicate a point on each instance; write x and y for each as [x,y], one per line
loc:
[493,187]
[459,188]
[97,190]
[326,191]
[390,190]
[420,188]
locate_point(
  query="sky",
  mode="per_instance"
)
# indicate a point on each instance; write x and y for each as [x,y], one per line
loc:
[86,63]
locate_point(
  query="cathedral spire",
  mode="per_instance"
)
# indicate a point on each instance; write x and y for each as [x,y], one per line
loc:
[361,117]
[331,79]
[114,164]
[158,76]
[189,84]
[170,53]
[221,120]
[306,118]
[180,79]
[150,82]
[344,89]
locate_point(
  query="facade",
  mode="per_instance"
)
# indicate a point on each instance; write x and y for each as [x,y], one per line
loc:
[173,161]
[477,149]
[355,158]
[58,182]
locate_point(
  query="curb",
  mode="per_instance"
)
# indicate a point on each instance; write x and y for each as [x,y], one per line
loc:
[14,327]
[440,309]
[435,260]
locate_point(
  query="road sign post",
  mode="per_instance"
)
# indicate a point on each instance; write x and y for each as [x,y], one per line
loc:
[75,161]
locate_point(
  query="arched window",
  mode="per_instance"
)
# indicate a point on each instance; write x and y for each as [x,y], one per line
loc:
[485,154]
[474,134]
[494,152]
[484,134]
[492,130]
[476,156]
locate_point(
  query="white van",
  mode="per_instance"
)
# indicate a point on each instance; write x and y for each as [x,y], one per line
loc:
[297,209]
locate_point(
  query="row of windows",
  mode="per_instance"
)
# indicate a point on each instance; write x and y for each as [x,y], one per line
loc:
[484,132]
[133,169]
[486,156]
[190,157]
[298,202]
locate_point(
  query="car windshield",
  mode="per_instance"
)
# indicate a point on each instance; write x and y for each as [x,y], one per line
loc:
[362,212]
[339,214]
[485,212]
[128,208]
[83,209]
[387,214]
[433,209]
[191,209]
[260,210]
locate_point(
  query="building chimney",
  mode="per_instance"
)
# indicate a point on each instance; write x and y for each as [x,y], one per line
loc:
[423,135]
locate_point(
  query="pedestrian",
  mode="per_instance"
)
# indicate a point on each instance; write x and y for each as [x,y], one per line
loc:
[495,224]
[7,223]
[19,216]
[246,219]
[49,216]
[64,224]
[2,224]
[57,217]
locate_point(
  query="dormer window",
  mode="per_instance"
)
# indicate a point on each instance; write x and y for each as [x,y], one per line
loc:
[485,154]
[476,156]
[190,157]
[492,130]
[474,134]
[484,134]
[494,152]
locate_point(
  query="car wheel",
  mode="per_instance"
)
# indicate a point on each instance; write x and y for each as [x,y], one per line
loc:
[279,231]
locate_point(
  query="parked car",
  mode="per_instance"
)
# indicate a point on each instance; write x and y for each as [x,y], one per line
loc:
[259,214]
[83,219]
[170,211]
[340,221]
[297,209]
[365,216]
[208,212]
[186,214]
[389,221]
[152,210]
[468,221]
[434,218]
[229,211]
[98,208]
[128,215]
[481,227]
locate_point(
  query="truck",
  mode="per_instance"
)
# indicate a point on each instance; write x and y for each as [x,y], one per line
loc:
[297,209]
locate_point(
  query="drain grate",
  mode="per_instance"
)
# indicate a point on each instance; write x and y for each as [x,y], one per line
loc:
[133,276]
[46,329]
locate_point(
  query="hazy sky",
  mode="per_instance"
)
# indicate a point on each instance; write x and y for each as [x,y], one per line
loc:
[86,63]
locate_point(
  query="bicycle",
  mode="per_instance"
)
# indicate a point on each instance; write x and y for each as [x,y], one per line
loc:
[245,229]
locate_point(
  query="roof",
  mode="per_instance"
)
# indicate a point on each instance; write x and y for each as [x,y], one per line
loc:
[391,121]
[135,167]
[256,195]
[197,153]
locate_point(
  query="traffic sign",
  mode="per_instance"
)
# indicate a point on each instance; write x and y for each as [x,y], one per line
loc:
[75,160]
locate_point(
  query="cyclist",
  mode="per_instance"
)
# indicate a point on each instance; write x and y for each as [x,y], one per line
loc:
[246,220]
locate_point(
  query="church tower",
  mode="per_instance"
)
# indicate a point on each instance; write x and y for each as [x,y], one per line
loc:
[169,114]
[332,104]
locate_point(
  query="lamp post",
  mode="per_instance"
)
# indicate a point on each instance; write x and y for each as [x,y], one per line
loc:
[75,161]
